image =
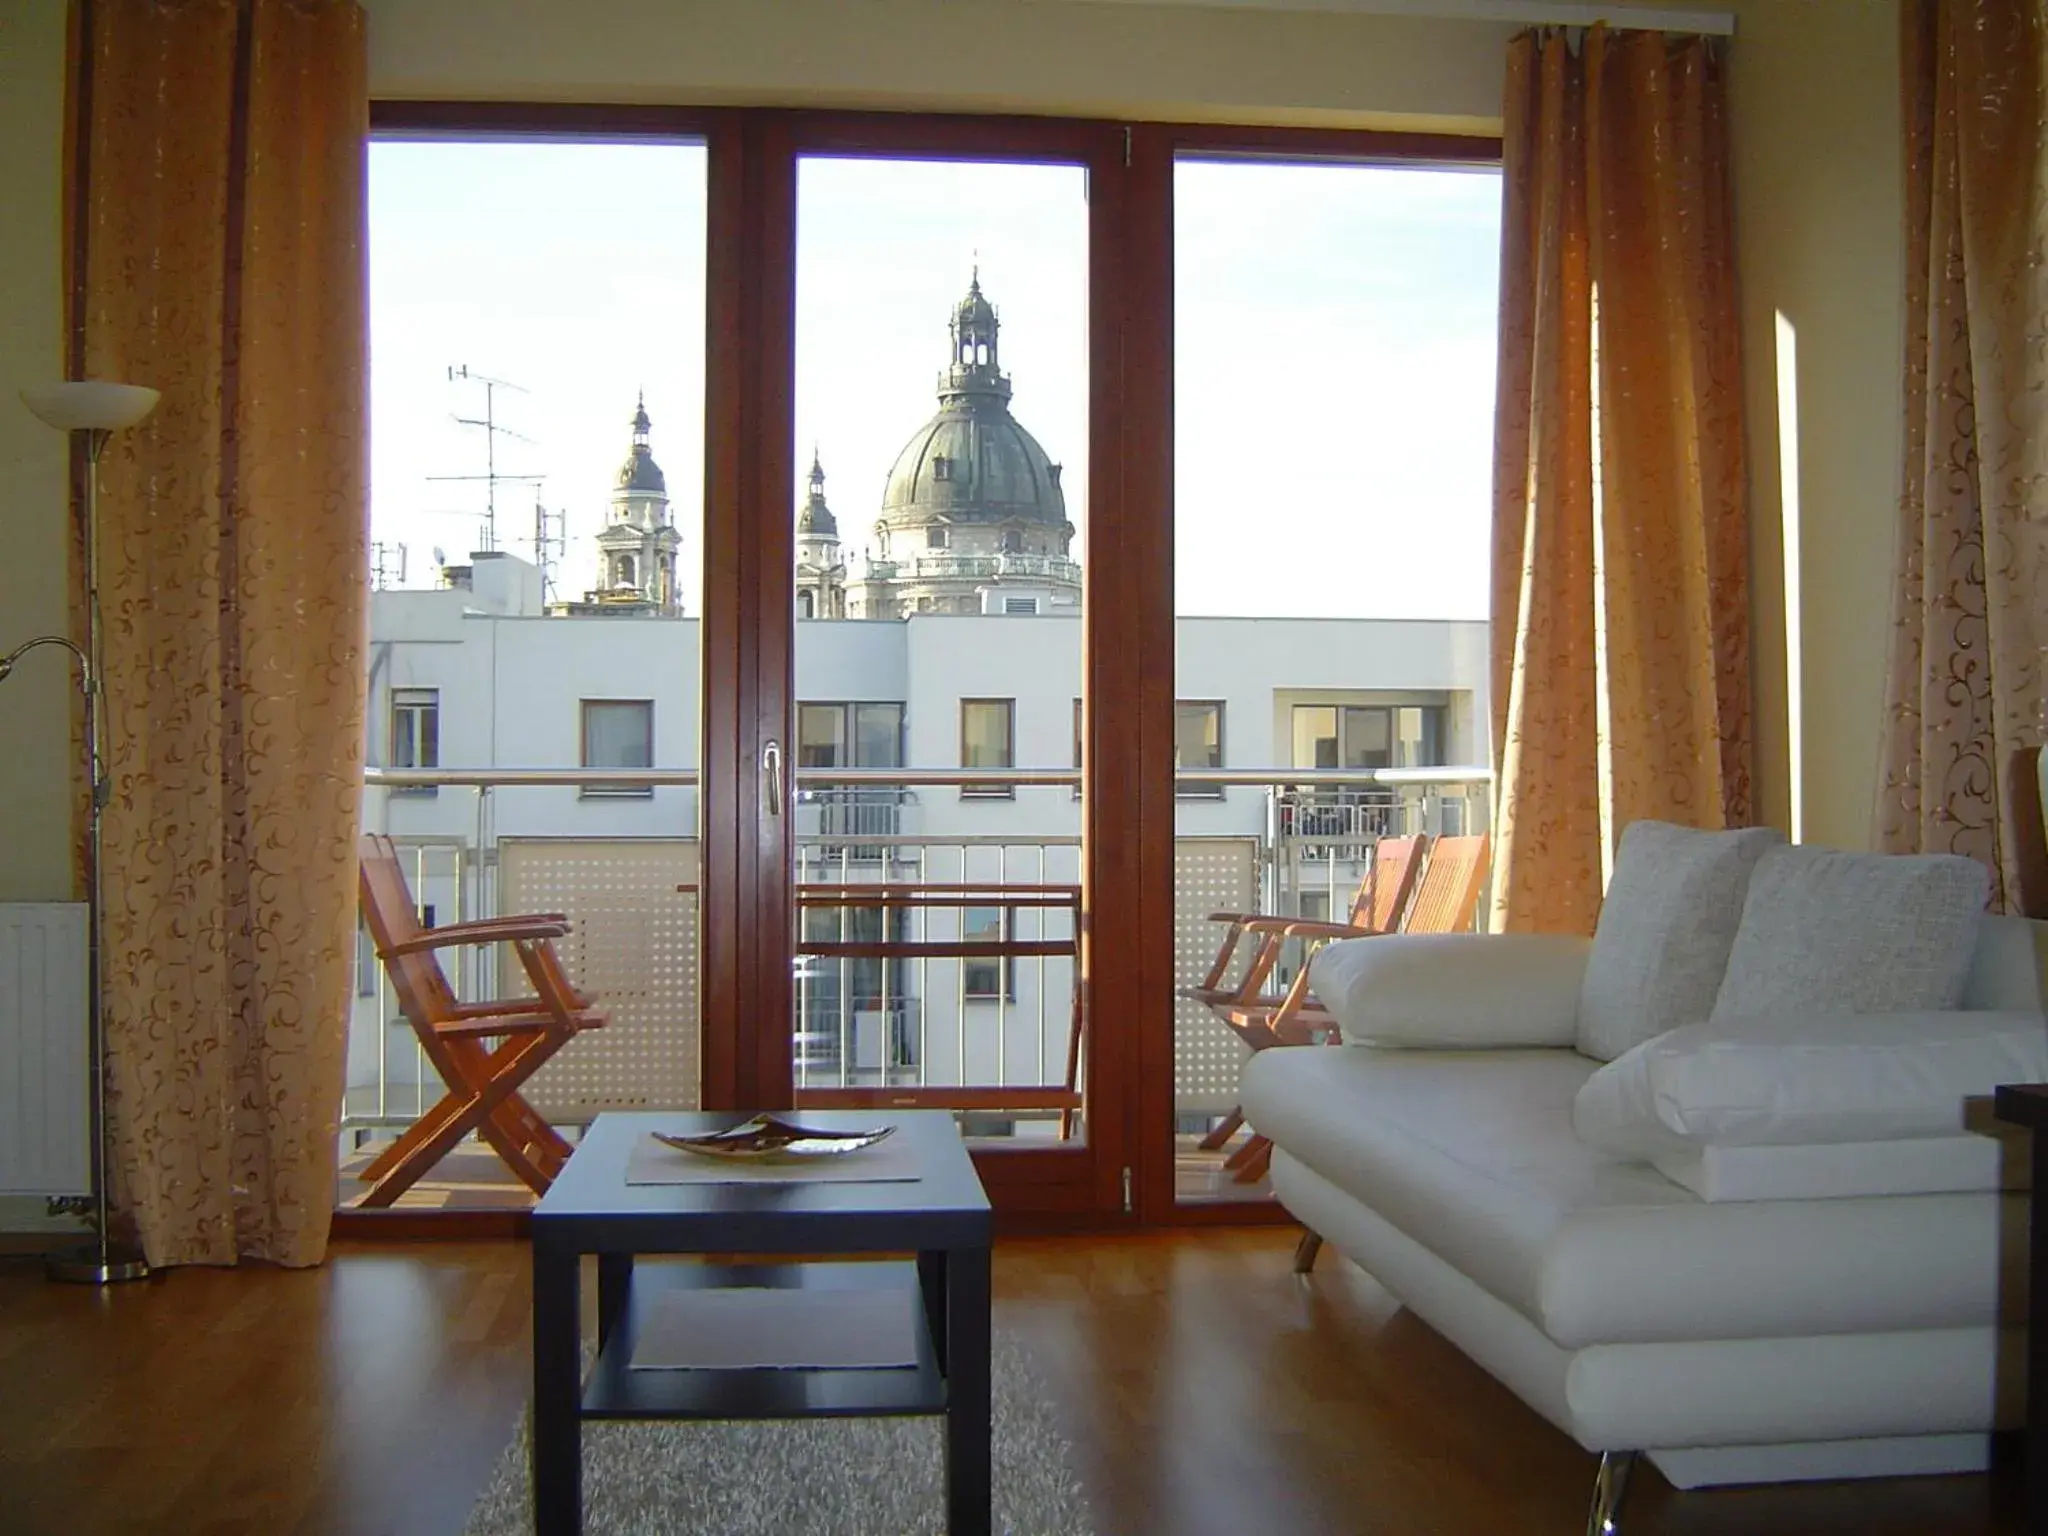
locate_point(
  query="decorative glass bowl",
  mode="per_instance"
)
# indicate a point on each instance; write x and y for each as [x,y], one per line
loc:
[765,1139]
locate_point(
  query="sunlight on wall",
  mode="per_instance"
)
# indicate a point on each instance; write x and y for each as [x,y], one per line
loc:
[1788,492]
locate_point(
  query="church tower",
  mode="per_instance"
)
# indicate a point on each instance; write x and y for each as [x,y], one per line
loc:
[636,549]
[820,569]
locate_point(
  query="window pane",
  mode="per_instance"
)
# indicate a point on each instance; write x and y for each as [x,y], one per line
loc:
[1368,739]
[982,977]
[878,736]
[985,733]
[1335,328]
[821,736]
[1315,736]
[618,733]
[1198,736]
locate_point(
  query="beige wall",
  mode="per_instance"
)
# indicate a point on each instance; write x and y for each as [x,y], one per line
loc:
[1818,203]
[35,858]
[1819,210]
[1039,56]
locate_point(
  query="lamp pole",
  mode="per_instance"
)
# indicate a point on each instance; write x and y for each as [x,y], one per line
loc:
[97,410]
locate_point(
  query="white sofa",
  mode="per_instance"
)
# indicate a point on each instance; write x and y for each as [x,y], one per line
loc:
[1787,1258]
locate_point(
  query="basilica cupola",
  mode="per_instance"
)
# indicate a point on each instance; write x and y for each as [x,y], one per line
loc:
[973,515]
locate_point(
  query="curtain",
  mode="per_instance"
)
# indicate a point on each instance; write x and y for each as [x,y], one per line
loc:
[1620,557]
[220,259]
[1965,691]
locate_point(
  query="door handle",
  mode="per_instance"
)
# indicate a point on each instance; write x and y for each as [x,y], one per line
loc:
[771,770]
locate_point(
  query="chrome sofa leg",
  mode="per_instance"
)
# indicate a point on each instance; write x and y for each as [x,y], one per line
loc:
[1609,1484]
[1306,1250]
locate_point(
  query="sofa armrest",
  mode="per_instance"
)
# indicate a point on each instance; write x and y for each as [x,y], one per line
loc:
[1453,991]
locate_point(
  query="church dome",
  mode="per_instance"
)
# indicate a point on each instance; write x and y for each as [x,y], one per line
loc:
[972,462]
[640,475]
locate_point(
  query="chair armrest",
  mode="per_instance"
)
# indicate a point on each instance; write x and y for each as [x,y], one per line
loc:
[1313,928]
[489,930]
[1453,991]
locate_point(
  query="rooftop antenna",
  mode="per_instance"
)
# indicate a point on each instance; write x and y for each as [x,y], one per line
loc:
[458,372]
[387,564]
[550,534]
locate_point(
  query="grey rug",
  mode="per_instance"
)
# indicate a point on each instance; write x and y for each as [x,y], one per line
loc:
[814,1477]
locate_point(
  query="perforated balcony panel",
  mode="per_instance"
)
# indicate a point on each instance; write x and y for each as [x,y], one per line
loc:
[634,946]
[1210,874]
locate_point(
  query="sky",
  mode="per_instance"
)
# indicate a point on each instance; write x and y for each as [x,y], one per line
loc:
[1334,336]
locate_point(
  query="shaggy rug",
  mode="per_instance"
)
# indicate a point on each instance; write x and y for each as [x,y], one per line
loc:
[809,1477]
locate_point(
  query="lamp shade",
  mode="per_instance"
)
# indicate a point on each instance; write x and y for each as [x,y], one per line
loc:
[91,404]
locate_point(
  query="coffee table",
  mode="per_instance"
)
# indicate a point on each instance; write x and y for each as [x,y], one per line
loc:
[943,1218]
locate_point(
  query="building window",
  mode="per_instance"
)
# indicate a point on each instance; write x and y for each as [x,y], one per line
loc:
[866,735]
[625,578]
[942,467]
[1197,744]
[366,960]
[1368,736]
[618,733]
[1013,543]
[988,740]
[1020,605]
[935,538]
[803,605]
[415,728]
[990,976]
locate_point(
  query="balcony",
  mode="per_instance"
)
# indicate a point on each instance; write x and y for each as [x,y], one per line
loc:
[932,968]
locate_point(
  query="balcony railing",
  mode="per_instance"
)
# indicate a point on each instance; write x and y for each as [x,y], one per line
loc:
[939,1018]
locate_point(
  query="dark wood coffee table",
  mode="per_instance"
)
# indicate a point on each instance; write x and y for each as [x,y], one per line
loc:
[943,1218]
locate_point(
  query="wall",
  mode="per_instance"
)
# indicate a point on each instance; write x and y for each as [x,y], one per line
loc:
[1040,56]
[35,751]
[1819,210]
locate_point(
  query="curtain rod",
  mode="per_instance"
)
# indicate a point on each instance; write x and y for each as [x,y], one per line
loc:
[1532,13]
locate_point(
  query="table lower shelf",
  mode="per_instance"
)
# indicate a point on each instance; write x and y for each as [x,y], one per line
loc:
[614,1390]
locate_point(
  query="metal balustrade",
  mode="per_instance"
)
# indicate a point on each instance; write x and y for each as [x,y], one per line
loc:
[939,1021]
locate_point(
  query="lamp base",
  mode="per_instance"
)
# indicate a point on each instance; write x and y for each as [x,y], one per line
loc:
[94,1264]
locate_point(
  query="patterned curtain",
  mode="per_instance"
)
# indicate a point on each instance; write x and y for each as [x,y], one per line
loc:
[220,241]
[1621,535]
[1966,687]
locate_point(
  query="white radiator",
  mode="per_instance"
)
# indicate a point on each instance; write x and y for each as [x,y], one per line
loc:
[45,1112]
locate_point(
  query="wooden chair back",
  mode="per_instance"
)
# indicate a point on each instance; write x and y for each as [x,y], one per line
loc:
[392,916]
[1447,895]
[1383,894]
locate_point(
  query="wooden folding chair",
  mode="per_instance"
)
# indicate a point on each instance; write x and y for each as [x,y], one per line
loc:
[1381,898]
[482,1079]
[1444,901]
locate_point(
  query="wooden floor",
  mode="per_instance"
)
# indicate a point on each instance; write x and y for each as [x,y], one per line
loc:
[1209,1391]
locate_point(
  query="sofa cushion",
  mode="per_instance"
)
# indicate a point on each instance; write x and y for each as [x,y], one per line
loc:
[1471,1154]
[1452,990]
[1919,1165]
[1840,932]
[1790,1079]
[1666,925]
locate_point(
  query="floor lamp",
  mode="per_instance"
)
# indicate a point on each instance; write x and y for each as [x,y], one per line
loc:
[98,410]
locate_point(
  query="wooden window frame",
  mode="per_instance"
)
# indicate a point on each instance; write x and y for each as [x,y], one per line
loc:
[1128,811]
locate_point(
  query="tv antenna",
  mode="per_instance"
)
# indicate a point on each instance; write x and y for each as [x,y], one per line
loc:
[458,372]
[387,564]
[549,542]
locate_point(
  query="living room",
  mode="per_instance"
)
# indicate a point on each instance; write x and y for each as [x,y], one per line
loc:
[1191,1381]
